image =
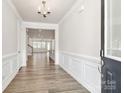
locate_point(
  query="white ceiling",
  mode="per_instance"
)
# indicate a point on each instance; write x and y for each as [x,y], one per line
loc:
[28,10]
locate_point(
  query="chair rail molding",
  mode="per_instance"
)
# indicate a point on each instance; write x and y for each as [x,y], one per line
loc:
[10,67]
[82,68]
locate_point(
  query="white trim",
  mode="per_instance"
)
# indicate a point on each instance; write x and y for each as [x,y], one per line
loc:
[40,25]
[7,81]
[82,68]
[114,58]
[90,58]
[9,55]
[10,67]
[105,21]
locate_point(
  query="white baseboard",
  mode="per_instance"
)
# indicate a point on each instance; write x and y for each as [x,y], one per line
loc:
[7,81]
[82,68]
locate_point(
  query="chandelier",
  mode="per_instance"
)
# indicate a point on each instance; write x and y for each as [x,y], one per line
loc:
[43,10]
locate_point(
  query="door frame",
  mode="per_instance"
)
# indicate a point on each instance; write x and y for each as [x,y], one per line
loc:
[19,44]
[102,29]
[41,26]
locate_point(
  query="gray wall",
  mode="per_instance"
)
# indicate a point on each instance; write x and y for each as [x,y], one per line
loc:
[9,31]
[80,31]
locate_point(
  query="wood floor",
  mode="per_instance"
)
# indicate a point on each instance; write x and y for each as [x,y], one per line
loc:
[42,76]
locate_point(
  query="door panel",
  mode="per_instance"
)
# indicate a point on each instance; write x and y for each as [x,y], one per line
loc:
[111,46]
[111,80]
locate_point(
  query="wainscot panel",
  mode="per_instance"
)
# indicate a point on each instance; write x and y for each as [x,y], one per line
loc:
[82,68]
[10,67]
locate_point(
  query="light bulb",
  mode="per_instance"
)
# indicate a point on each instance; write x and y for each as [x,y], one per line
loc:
[39,8]
[81,9]
[45,12]
[48,9]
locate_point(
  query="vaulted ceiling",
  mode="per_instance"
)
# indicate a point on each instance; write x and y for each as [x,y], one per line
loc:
[28,10]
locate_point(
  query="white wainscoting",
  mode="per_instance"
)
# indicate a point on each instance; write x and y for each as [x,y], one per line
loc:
[10,67]
[82,68]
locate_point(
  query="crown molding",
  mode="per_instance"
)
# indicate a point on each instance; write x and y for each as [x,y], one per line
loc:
[12,6]
[39,25]
[74,8]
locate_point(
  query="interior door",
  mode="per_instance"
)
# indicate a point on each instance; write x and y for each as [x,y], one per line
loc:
[111,46]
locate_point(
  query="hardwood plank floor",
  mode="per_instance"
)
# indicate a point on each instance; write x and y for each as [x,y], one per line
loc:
[42,76]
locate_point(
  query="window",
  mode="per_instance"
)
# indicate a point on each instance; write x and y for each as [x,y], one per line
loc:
[35,44]
[41,44]
[113,29]
[48,45]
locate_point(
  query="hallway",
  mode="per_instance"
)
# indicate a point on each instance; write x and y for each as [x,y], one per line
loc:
[58,46]
[42,76]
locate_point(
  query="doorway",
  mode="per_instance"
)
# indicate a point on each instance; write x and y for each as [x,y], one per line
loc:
[41,41]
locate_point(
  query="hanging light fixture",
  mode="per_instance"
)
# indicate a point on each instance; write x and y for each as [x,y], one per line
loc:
[43,10]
